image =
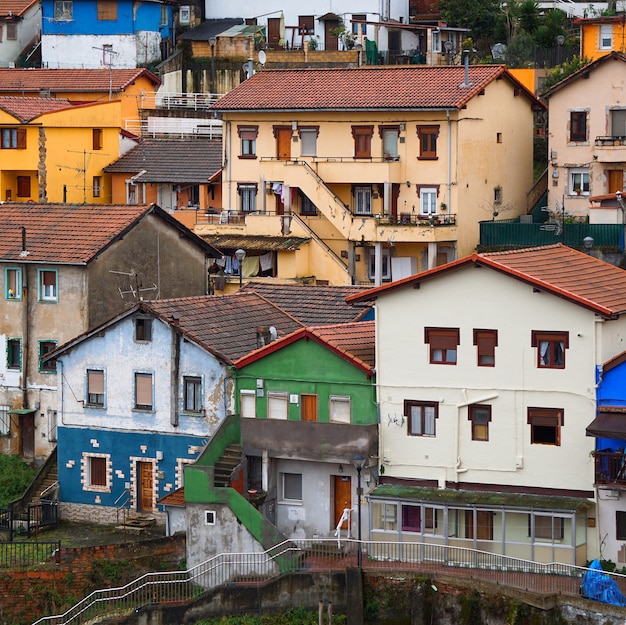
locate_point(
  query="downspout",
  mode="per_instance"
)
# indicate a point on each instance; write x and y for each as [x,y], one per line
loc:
[175,369]
[26,324]
[227,163]
[449,182]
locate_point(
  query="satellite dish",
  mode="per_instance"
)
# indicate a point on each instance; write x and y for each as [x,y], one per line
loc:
[262,57]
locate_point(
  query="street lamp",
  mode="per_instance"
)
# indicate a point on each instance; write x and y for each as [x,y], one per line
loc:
[240,255]
[359,462]
[560,40]
[448,45]
[212,42]
[588,243]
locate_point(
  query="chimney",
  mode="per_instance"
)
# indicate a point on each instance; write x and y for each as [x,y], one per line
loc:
[466,82]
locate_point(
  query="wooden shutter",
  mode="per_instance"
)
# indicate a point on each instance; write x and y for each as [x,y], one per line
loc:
[143,390]
[21,140]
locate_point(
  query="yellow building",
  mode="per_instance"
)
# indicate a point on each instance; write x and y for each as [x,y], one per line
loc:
[383,171]
[53,151]
[601,35]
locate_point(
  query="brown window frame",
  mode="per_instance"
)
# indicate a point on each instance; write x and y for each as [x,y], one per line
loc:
[97,471]
[486,342]
[474,412]
[11,31]
[428,136]
[247,136]
[540,421]
[306,24]
[96,138]
[552,338]
[422,430]
[578,126]
[107,10]
[17,139]
[362,136]
[442,339]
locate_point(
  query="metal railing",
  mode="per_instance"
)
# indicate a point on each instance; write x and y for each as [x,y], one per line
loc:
[610,467]
[175,127]
[608,141]
[325,555]
[178,100]
[18,555]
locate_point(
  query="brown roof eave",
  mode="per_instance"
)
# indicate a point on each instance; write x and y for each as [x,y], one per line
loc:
[339,110]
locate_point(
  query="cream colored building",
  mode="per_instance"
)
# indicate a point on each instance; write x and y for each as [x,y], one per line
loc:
[486,375]
[386,171]
[587,138]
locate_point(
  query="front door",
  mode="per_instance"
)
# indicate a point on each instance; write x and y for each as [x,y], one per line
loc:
[331,40]
[343,498]
[616,180]
[308,407]
[273,33]
[27,431]
[283,143]
[145,485]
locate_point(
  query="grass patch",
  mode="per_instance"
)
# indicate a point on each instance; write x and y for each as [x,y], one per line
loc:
[15,477]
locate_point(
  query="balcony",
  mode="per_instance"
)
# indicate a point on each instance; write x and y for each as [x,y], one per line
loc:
[610,141]
[610,468]
[609,149]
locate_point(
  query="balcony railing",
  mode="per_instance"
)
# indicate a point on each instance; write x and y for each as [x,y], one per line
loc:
[610,467]
[605,142]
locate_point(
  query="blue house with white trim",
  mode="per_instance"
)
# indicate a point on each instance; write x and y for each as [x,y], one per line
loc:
[117,34]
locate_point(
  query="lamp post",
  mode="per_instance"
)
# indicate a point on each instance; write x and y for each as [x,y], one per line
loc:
[448,45]
[588,243]
[560,40]
[212,42]
[359,463]
[240,255]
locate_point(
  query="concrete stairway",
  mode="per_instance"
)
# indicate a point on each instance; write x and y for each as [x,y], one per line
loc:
[225,466]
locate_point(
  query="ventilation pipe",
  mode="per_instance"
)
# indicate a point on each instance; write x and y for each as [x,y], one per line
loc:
[466,54]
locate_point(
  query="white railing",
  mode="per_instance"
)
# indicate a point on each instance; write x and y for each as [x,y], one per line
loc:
[175,127]
[178,100]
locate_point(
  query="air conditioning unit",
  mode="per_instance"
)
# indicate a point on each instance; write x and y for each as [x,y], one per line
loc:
[184,15]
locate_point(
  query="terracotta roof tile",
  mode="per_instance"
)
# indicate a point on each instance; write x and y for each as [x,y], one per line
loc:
[62,233]
[27,109]
[70,80]
[175,498]
[225,325]
[356,339]
[171,160]
[16,7]
[254,245]
[410,87]
[312,304]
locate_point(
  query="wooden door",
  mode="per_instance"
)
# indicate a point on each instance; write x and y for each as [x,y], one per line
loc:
[273,32]
[145,485]
[283,143]
[616,180]
[280,205]
[331,41]
[308,407]
[343,498]
[484,522]
[395,194]
[27,431]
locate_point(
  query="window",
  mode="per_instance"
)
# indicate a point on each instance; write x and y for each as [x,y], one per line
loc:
[547,527]
[13,283]
[362,200]
[306,206]
[443,345]
[578,126]
[23,186]
[209,517]
[97,186]
[47,285]
[427,136]
[436,41]
[340,409]
[96,138]
[386,265]
[497,195]
[52,424]
[362,141]
[165,15]
[48,366]
[292,486]
[421,417]
[484,525]
[96,469]
[306,24]
[359,29]
[618,123]
[277,406]
[579,182]
[193,394]
[95,387]
[545,425]
[247,197]
[13,138]
[14,353]
[5,420]
[308,140]
[480,416]
[11,31]
[620,525]
[384,517]
[143,329]
[107,60]
[428,201]
[107,10]
[412,519]
[551,348]
[248,136]
[63,10]
[606,36]
[143,391]
[390,136]
[248,404]
[486,342]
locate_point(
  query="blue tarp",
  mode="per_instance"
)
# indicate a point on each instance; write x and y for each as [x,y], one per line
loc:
[598,586]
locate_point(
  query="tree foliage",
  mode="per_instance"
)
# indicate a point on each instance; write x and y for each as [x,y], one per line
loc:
[15,477]
[563,71]
[479,15]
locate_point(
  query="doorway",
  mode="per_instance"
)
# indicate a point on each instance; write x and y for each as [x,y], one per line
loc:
[283,143]
[145,487]
[27,432]
[342,485]
[331,40]
[616,180]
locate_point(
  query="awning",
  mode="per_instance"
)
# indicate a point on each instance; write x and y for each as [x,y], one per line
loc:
[254,245]
[22,411]
[608,424]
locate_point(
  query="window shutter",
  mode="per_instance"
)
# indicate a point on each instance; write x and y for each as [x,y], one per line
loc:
[95,382]
[21,138]
[143,389]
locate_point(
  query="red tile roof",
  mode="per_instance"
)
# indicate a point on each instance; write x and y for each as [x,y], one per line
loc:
[563,271]
[16,7]
[70,80]
[175,498]
[365,88]
[63,233]
[27,109]
[354,342]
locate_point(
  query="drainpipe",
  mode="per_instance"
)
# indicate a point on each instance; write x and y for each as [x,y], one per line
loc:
[227,163]
[175,369]
[26,324]
[449,182]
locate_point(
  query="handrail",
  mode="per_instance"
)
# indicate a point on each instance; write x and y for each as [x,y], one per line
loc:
[49,488]
[319,241]
[326,555]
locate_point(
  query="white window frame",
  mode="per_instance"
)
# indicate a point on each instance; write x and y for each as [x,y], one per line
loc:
[436,41]
[143,407]
[5,420]
[17,295]
[428,201]
[88,402]
[276,410]
[386,265]
[247,198]
[384,516]
[63,10]
[390,141]
[184,15]
[247,404]
[337,408]
[287,476]
[606,37]
[49,292]
[576,176]
[363,200]
[308,141]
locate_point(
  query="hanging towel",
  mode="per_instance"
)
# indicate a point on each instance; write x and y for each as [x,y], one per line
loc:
[250,266]
[266,261]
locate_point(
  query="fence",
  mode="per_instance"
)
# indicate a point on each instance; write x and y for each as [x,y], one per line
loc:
[16,555]
[15,520]
[324,556]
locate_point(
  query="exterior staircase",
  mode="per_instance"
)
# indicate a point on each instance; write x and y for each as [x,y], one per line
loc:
[227,463]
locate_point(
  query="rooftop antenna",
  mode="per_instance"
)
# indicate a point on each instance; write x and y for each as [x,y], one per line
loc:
[107,61]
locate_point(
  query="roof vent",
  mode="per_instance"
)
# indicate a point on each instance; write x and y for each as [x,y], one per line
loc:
[466,82]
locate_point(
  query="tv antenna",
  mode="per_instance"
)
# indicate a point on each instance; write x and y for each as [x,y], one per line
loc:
[136,289]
